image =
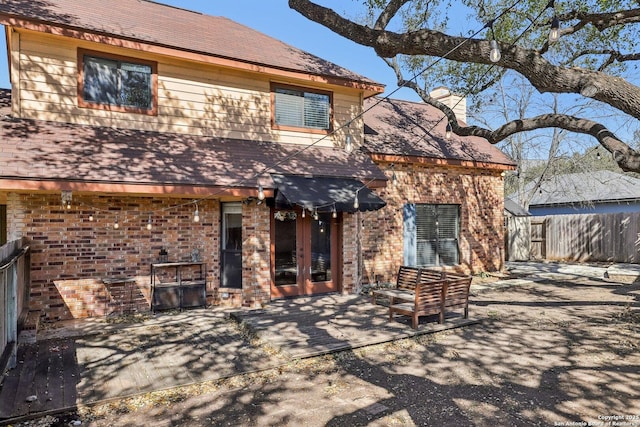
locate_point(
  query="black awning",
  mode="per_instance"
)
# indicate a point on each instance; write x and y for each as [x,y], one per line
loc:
[324,194]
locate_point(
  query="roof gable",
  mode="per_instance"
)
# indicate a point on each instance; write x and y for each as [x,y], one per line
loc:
[412,129]
[181,29]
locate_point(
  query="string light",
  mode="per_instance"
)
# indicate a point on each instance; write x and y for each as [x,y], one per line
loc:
[554,32]
[494,54]
[334,213]
[315,214]
[196,214]
[116,224]
[356,203]
[348,145]
[447,132]
[394,178]
[66,199]
[303,214]
[149,223]
[260,192]
[90,217]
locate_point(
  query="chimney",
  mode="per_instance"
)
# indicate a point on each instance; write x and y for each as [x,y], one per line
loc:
[456,102]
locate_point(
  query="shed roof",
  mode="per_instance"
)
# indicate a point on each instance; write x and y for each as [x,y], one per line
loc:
[413,129]
[514,208]
[51,151]
[586,187]
[169,26]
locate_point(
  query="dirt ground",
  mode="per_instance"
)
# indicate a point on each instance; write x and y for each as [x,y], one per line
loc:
[546,353]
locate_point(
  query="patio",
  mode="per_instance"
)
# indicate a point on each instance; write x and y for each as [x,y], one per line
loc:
[100,360]
[86,361]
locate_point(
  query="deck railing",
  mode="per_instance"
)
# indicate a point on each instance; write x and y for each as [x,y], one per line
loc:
[14,298]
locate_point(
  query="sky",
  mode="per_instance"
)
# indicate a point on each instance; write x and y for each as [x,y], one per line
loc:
[276,19]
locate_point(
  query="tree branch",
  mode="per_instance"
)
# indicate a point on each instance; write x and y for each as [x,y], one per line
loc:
[543,75]
[602,21]
[389,12]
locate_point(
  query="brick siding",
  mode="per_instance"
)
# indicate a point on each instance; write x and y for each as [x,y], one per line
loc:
[479,192]
[71,254]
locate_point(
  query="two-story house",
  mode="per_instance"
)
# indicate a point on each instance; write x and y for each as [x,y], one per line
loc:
[138,136]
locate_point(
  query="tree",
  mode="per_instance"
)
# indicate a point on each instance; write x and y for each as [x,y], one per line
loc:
[597,47]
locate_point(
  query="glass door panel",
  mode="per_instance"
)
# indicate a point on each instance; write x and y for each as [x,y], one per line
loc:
[321,248]
[231,245]
[286,253]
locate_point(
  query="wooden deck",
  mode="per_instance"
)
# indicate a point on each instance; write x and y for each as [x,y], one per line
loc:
[306,327]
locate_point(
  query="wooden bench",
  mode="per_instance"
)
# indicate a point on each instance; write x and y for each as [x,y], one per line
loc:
[427,300]
[450,291]
[405,285]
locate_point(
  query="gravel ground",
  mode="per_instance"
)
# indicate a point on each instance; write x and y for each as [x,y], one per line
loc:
[547,353]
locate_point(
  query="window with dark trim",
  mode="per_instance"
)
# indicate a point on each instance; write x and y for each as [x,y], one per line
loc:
[116,83]
[431,234]
[295,108]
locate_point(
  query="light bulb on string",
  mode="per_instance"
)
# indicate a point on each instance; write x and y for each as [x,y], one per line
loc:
[356,203]
[554,32]
[260,192]
[303,212]
[315,214]
[448,130]
[149,223]
[196,214]
[494,54]
[90,217]
[334,213]
[116,224]
[348,145]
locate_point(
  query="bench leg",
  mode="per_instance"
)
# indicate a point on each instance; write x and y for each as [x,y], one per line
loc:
[414,321]
[466,312]
[441,317]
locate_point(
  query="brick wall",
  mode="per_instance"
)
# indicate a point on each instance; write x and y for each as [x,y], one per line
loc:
[256,255]
[479,193]
[71,254]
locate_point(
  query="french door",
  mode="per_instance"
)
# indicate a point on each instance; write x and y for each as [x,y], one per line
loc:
[304,254]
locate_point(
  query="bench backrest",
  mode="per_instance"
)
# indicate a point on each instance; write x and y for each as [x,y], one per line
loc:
[407,278]
[431,274]
[428,295]
[456,291]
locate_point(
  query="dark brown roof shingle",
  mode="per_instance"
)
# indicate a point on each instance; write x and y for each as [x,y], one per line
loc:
[182,29]
[413,129]
[40,150]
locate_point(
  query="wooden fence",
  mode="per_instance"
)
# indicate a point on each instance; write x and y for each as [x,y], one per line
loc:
[14,298]
[587,237]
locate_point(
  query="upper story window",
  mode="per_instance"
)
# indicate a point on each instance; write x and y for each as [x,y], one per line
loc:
[117,83]
[295,108]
